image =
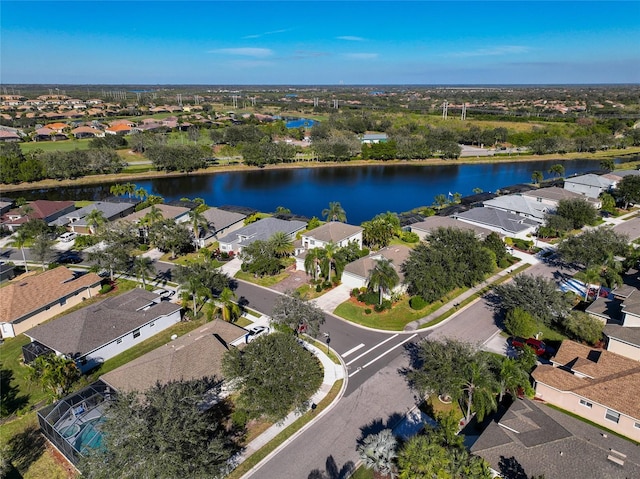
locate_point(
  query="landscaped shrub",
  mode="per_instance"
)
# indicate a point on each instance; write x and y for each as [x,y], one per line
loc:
[239,417]
[378,308]
[417,302]
[105,289]
[386,304]
[504,263]
[318,288]
[84,241]
[355,292]
[143,247]
[519,322]
[369,297]
[410,237]
[367,311]
[327,285]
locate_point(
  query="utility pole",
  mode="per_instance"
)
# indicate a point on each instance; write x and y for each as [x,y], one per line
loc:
[445,107]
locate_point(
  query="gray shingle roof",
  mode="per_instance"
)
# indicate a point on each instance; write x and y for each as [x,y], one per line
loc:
[522,205]
[397,254]
[109,210]
[433,222]
[554,193]
[553,444]
[263,230]
[623,333]
[89,328]
[220,219]
[508,222]
[591,180]
[334,231]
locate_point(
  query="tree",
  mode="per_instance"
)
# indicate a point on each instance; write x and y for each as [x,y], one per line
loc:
[312,261]
[480,388]
[201,281]
[229,309]
[95,219]
[119,240]
[41,248]
[513,378]
[20,240]
[607,164]
[55,373]
[260,258]
[273,375]
[198,222]
[440,201]
[557,170]
[591,276]
[537,177]
[168,434]
[291,311]
[281,244]
[169,236]
[583,327]
[378,452]
[535,295]
[608,203]
[335,212]
[494,243]
[519,322]
[142,267]
[580,212]
[555,225]
[595,247]
[331,260]
[382,277]
[379,232]
[628,190]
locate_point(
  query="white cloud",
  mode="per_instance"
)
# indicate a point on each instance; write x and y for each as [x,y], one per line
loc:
[245,52]
[350,38]
[361,56]
[273,32]
[493,51]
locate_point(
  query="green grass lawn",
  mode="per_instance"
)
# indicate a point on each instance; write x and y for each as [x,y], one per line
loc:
[64,145]
[264,281]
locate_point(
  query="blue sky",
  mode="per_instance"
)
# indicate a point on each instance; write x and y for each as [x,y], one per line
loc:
[323,42]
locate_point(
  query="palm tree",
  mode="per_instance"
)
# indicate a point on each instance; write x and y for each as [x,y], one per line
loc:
[557,169]
[198,222]
[512,378]
[153,216]
[42,248]
[480,388]
[194,289]
[95,219]
[383,277]
[129,189]
[440,201]
[590,277]
[537,177]
[142,267]
[281,243]
[117,189]
[330,260]
[378,451]
[335,212]
[312,261]
[19,240]
[230,310]
[141,193]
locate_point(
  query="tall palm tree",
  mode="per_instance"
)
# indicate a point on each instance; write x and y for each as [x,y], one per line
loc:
[117,189]
[312,261]
[142,267]
[198,222]
[590,276]
[95,219]
[557,170]
[512,378]
[19,240]
[335,212]
[378,451]
[129,189]
[229,309]
[141,193]
[481,389]
[537,177]
[194,289]
[281,243]
[383,277]
[330,260]
[153,216]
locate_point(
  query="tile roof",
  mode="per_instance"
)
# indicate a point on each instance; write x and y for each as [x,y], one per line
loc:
[397,254]
[507,222]
[89,328]
[433,222]
[334,231]
[34,292]
[543,441]
[613,380]
[192,356]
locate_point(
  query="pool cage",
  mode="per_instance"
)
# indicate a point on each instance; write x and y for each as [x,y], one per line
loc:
[73,423]
[33,350]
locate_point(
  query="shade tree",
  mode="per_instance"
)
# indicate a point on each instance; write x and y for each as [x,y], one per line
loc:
[297,315]
[598,246]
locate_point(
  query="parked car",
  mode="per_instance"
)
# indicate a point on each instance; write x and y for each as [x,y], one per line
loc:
[70,257]
[67,237]
[164,293]
[538,346]
[255,331]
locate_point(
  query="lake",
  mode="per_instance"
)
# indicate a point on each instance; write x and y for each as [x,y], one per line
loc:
[363,191]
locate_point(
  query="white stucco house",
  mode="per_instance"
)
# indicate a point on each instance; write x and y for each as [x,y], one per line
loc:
[260,230]
[590,185]
[340,234]
[356,274]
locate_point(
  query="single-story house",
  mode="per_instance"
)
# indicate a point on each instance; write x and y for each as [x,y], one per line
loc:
[47,134]
[76,220]
[369,138]
[121,129]
[221,223]
[177,213]
[590,185]
[195,355]
[5,205]
[87,132]
[37,298]
[356,273]
[520,205]
[499,221]
[431,223]
[595,384]
[551,196]
[531,439]
[340,234]
[45,210]
[103,330]
[260,230]
[9,136]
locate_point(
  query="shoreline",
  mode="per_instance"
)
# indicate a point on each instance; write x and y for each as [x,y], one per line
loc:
[148,175]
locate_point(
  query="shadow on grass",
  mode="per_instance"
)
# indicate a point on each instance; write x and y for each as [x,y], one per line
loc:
[11,402]
[332,472]
[26,447]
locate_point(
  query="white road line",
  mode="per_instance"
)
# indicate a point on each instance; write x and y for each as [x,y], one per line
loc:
[355,372]
[353,350]
[389,350]
[369,350]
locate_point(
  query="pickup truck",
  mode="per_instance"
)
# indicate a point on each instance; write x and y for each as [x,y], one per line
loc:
[537,345]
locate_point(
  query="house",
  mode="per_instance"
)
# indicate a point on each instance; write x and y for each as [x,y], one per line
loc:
[595,384]
[520,205]
[76,221]
[47,134]
[45,210]
[424,228]
[221,223]
[195,355]
[340,234]
[590,185]
[531,439]
[177,213]
[356,273]
[369,138]
[551,196]
[35,299]
[9,136]
[119,129]
[87,132]
[103,330]
[260,230]
[500,221]
[5,205]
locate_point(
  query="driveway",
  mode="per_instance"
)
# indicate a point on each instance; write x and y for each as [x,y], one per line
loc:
[291,282]
[330,300]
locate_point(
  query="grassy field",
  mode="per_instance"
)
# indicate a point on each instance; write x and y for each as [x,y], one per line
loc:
[264,281]
[64,145]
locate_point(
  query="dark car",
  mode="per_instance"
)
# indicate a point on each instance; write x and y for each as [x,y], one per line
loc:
[538,346]
[70,257]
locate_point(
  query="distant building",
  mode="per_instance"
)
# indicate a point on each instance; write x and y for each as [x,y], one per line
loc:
[590,185]
[369,138]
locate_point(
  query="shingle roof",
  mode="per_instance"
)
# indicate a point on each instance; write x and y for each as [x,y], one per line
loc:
[108,209]
[263,230]
[192,356]
[507,222]
[334,231]
[397,254]
[623,333]
[591,180]
[89,328]
[166,210]
[433,222]
[556,194]
[34,292]
[615,379]
[553,444]
[220,219]
[519,204]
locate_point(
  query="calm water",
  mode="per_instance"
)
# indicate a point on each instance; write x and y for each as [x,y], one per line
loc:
[362,191]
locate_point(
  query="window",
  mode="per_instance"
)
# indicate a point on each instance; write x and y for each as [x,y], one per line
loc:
[612,416]
[637,425]
[119,340]
[136,334]
[585,403]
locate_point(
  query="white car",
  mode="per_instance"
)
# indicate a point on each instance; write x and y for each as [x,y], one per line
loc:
[66,237]
[256,331]
[164,293]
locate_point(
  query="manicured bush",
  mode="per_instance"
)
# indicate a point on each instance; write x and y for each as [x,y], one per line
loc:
[105,289]
[417,302]
[504,263]
[327,285]
[378,308]
[367,311]
[239,417]
[318,288]
[410,237]
[143,247]
[355,292]
[369,297]
[519,322]
[84,241]
[386,304]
